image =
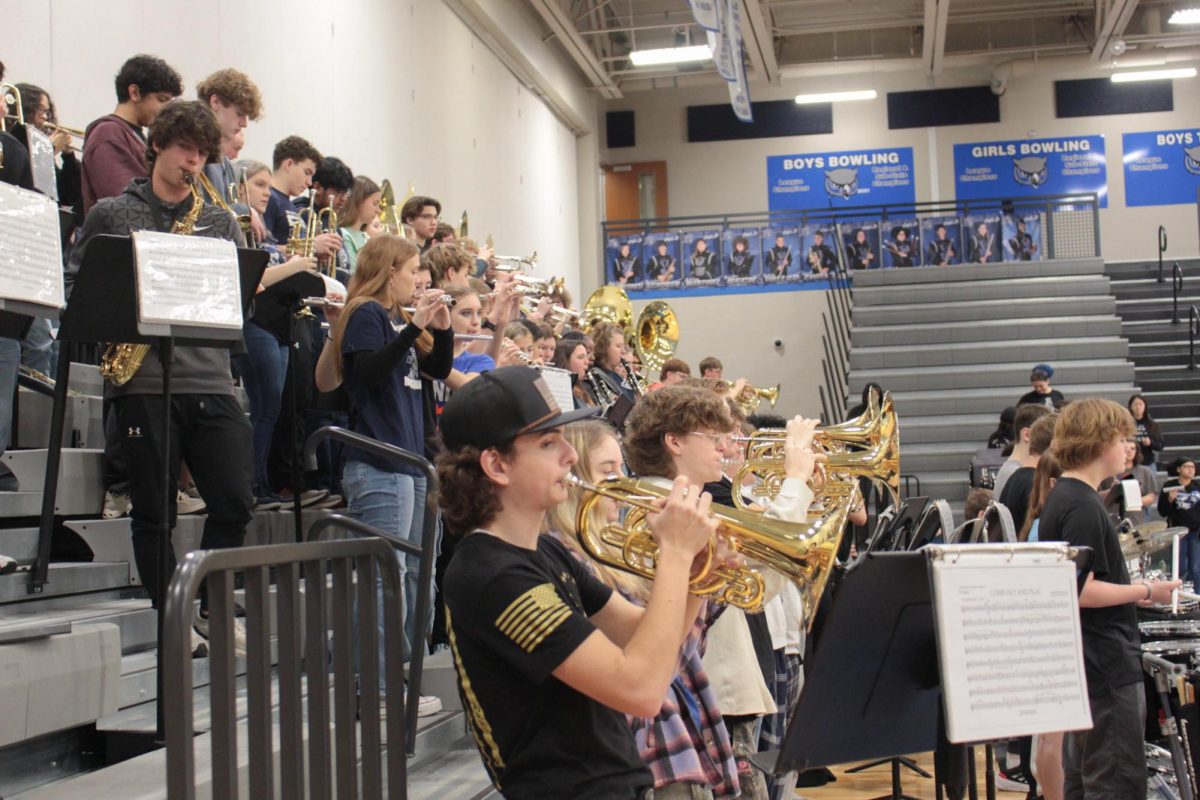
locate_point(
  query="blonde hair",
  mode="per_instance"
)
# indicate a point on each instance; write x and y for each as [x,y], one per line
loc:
[585,436]
[370,285]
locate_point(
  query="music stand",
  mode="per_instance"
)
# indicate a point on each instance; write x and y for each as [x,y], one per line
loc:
[103,307]
[899,525]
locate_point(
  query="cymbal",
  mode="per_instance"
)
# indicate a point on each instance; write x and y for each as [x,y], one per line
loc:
[1150,538]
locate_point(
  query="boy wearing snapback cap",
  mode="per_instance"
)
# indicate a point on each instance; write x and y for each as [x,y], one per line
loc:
[549,659]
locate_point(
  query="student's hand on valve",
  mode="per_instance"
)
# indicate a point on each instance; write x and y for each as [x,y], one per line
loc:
[326,244]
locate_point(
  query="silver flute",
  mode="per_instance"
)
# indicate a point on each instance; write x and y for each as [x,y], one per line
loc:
[445,300]
[322,302]
[474,337]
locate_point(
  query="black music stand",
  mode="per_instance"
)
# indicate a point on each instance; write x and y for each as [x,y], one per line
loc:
[103,307]
[279,303]
[872,688]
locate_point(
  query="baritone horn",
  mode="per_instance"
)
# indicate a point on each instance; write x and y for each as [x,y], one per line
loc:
[801,552]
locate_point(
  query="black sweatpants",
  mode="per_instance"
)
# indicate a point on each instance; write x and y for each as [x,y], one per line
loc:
[212,434]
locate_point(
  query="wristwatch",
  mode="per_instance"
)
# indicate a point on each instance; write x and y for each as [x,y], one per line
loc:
[487,323]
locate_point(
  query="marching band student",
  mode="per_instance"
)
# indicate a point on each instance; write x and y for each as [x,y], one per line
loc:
[235,101]
[611,353]
[381,366]
[710,367]
[686,745]
[466,317]
[294,161]
[421,214]
[549,659]
[263,367]
[1108,760]
[114,147]
[360,207]
[544,342]
[449,264]
[41,113]
[673,371]
[571,355]
[210,430]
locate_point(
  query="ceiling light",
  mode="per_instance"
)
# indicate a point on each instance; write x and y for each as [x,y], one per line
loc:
[1153,75]
[1185,16]
[670,55]
[834,97]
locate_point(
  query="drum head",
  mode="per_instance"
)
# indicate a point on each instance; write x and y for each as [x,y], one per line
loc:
[1167,628]
[1172,647]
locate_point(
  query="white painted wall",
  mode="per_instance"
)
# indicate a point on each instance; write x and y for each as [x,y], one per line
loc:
[400,90]
[719,177]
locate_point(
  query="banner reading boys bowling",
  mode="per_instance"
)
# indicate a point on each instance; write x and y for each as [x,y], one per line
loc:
[1162,168]
[811,181]
[1031,168]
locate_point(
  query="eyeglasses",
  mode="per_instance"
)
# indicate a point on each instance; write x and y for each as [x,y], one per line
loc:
[719,439]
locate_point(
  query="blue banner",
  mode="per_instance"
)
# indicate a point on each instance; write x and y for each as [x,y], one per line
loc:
[811,181]
[1031,168]
[1162,168]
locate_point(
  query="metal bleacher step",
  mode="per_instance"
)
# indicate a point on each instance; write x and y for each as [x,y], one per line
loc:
[948,428]
[973,376]
[1029,308]
[83,424]
[974,401]
[927,457]
[1067,287]
[133,616]
[80,481]
[67,578]
[985,330]
[948,485]
[982,351]
[19,543]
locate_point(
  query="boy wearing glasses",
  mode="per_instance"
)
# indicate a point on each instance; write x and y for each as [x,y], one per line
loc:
[421,214]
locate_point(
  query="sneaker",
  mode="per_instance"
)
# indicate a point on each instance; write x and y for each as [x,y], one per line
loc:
[1011,781]
[427,705]
[199,645]
[330,501]
[7,565]
[307,497]
[200,626]
[268,502]
[116,505]
[186,504]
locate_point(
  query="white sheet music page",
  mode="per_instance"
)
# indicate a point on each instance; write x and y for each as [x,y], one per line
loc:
[31,265]
[559,381]
[1008,640]
[187,280]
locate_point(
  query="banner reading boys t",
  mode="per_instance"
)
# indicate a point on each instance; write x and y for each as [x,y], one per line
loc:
[810,181]
[1031,168]
[1162,168]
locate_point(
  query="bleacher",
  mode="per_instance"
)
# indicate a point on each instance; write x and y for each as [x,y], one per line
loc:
[78,665]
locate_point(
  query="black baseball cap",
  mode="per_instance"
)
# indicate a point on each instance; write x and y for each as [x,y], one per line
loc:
[501,405]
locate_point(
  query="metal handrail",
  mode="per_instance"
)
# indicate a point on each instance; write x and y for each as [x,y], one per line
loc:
[1193,334]
[426,552]
[314,559]
[1176,288]
[1162,248]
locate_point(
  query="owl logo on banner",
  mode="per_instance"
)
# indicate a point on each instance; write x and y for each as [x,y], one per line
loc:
[842,183]
[1030,171]
[1191,159]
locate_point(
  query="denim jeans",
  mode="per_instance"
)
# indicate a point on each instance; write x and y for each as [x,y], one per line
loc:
[263,368]
[395,503]
[10,359]
[1189,558]
[39,349]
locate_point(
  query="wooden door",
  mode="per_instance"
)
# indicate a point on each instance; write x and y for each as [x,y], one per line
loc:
[635,191]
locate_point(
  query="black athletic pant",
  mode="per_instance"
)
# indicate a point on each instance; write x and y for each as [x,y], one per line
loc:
[212,434]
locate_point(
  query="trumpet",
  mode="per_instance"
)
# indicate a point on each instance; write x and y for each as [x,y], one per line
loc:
[515,263]
[54,127]
[751,397]
[544,286]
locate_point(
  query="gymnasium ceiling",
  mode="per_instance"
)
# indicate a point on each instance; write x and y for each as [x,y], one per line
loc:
[786,38]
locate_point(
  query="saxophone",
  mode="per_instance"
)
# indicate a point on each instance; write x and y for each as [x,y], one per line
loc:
[122,361]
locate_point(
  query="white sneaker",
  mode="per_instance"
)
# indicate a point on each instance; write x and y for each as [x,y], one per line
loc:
[186,504]
[200,626]
[116,505]
[7,564]
[427,705]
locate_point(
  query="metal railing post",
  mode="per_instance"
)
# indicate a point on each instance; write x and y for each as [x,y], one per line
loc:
[1162,248]
[1176,288]
[1193,332]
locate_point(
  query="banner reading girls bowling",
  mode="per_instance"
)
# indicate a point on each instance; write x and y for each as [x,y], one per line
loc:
[1031,168]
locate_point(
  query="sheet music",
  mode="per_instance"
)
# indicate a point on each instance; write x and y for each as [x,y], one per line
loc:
[559,381]
[31,265]
[41,158]
[1008,641]
[187,280]
[1133,494]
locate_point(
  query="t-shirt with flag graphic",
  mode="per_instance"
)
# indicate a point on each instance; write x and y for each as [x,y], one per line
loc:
[513,615]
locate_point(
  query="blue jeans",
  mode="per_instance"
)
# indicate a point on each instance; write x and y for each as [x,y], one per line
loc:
[39,349]
[395,503]
[10,359]
[263,369]
[1189,558]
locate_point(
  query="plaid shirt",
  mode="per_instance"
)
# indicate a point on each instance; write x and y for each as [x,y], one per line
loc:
[688,741]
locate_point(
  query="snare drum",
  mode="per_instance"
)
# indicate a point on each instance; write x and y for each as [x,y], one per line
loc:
[1170,629]
[1177,651]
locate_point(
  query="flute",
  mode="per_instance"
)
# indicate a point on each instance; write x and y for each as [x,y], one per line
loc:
[474,337]
[321,302]
[445,300]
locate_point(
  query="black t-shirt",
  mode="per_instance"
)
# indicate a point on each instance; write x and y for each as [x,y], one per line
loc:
[1052,400]
[513,616]
[1016,495]
[1111,649]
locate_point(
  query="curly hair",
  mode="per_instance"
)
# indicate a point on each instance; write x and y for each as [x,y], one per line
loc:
[1086,428]
[150,75]
[297,149]
[467,497]
[441,258]
[233,88]
[188,121]
[677,410]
